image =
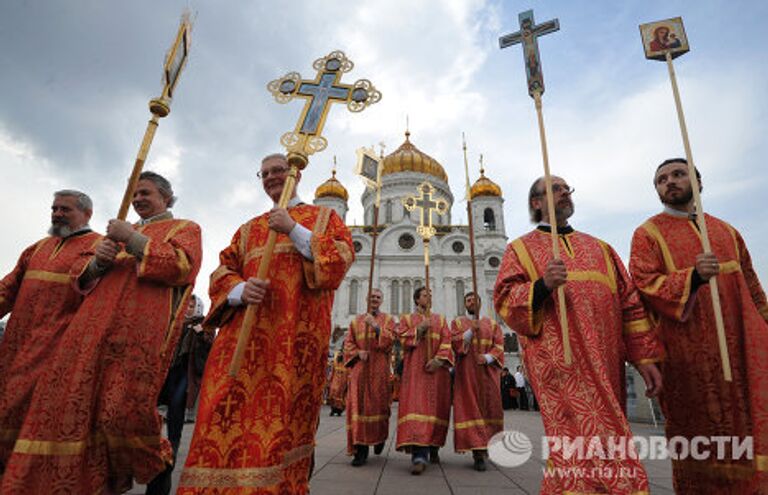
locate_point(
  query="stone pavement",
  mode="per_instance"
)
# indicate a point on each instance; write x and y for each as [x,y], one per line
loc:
[389,473]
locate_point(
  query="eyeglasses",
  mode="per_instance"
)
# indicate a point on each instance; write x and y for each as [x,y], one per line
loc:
[557,188]
[276,171]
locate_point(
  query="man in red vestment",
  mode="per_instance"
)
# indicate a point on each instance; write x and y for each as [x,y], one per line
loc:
[478,345]
[41,297]
[367,351]
[255,433]
[672,273]
[92,424]
[337,391]
[583,401]
[425,393]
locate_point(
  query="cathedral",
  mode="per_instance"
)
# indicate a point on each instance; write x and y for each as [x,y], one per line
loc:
[399,264]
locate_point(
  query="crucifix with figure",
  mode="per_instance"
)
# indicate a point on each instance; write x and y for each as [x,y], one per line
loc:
[303,141]
[427,206]
[528,37]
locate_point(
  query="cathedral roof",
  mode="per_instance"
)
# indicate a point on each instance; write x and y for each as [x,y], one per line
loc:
[484,187]
[408,158]
[332,188]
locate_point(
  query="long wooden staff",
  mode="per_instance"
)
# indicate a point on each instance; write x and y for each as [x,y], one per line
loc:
[366,372]
[269,248]
[476,315]
[553,227]
[159,107]
[726,361]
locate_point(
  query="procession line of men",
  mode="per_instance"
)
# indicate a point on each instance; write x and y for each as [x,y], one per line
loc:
[95,320]
[473,348]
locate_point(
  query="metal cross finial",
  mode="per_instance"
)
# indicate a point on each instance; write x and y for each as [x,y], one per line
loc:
[427,205]
[528,34]
[325,89]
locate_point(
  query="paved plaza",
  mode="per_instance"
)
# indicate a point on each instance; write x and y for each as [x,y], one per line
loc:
[389,474]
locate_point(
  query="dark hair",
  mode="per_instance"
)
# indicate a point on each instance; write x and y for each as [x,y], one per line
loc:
[534,192]
[417,294]
[674,160]
[472,293]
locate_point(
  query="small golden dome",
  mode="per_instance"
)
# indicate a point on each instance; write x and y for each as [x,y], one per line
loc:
[408,158]
[332,188]
[484,187]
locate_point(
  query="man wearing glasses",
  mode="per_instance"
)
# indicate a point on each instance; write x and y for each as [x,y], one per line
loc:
[583,401]
[256,432]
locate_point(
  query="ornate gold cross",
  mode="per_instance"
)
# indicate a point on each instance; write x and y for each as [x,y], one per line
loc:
[319,93]
[427,205]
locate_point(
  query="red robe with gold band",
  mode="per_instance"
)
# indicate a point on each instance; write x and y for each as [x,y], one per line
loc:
[477,411]
[42,298]
[337,392]
[255,433]
[425,398]
[696,399]
[368,395]
[92,423]
[607,324]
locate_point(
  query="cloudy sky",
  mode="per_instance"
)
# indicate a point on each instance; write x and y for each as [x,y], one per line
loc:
[76,76]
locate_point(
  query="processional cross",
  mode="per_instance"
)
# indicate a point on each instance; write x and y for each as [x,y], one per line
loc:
[528,37]
[425,202]
[305,140]
[160,107]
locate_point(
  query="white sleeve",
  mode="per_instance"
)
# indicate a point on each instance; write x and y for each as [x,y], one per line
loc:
[488,358]
[468,335]
[235,296]
[301,238]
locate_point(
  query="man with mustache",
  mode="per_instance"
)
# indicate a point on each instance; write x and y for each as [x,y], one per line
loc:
[92,425]
[40,295]
[583,401]
[255,433]
[673,274]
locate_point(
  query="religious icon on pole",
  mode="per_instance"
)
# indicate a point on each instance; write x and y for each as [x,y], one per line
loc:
[369,167]
[662,37]
[159,107]
[303,141]
[528,34]
[675,26]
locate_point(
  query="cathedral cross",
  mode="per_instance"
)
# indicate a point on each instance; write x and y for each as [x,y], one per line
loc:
[528,36]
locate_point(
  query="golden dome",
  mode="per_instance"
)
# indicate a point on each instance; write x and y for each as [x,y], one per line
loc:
[332,188]
[408,158]
[484,187]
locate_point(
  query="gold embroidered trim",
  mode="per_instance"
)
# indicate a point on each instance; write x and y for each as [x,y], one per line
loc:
[637,326]
[422,418]
[58,278]
[478,422]
[256,477]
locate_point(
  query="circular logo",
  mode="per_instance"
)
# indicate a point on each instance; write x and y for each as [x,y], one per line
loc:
[510,448]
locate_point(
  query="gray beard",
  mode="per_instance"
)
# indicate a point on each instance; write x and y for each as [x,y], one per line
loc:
[60,231]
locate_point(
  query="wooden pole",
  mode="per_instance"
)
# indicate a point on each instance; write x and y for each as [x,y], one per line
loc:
[251,310]
[429,293]
[553,227]
[159,108]
[726,362]
[476,315]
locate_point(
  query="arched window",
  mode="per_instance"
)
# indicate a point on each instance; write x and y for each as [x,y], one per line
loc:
[407,296]
[388,211]
[459,297]
[489,220]
[353,290]
[394,304]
